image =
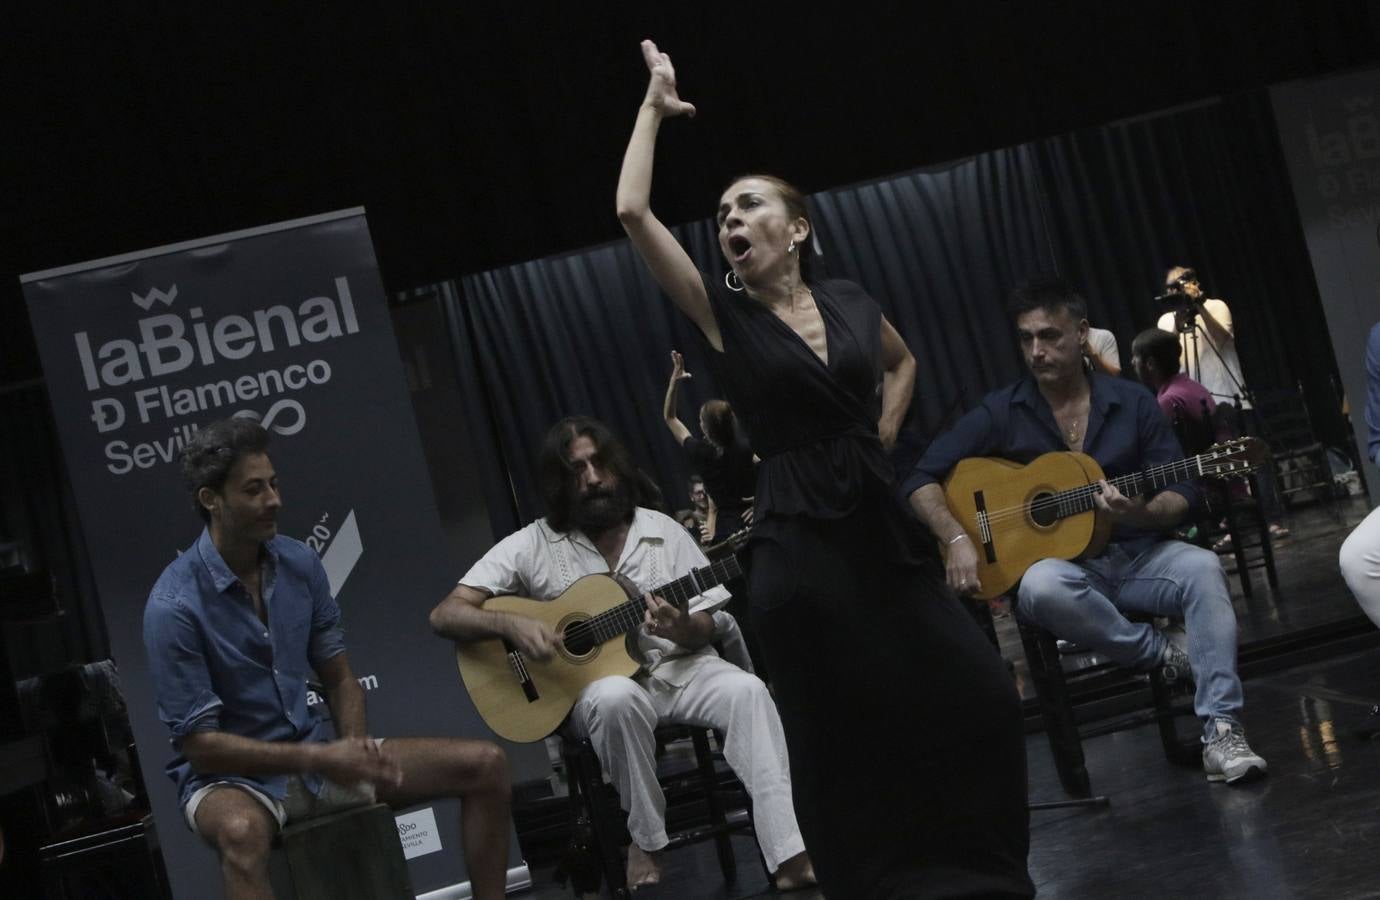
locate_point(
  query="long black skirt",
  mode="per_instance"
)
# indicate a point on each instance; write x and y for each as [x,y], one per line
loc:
[904,729]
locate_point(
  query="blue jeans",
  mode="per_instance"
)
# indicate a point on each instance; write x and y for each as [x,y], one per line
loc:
[1083,602]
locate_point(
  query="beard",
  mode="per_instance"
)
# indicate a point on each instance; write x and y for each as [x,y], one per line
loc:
[600,510]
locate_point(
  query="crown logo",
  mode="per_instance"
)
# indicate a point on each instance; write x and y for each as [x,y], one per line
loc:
[146,301]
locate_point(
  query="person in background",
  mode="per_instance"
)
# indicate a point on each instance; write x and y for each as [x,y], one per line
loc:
[721,455]
[1102,352]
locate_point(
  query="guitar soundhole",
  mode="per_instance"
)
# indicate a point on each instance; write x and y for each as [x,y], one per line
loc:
[578,637]
[1043,509]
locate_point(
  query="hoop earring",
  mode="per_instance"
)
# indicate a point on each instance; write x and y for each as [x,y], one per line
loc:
[731,279]
[791,248]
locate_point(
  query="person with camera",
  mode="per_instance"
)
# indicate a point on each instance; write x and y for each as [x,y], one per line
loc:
[1207,338]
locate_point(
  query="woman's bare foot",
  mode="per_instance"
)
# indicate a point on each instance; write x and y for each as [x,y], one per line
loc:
[644,867]
[796,872]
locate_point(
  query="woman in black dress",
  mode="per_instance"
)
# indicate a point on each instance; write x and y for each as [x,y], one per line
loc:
[906,744]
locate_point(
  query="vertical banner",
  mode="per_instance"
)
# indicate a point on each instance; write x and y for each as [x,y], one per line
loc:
[1330,131]
[288,324]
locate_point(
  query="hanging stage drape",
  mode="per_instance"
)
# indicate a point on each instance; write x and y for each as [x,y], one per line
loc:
[1108,208]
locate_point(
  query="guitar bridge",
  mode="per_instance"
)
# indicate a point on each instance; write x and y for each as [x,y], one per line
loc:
[984,527]
[519,667]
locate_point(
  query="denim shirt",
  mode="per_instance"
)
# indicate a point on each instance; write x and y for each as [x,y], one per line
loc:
[216,667]
[1126,433]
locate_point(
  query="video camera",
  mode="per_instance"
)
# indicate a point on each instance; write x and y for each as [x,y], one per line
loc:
[1175,297]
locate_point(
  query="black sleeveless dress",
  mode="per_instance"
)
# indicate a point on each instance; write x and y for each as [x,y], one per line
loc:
[906,741]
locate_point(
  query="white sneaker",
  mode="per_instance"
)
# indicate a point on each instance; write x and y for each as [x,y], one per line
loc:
[1227,757]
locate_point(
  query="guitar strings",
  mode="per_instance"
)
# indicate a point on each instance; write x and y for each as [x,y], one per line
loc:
[1079,495]
[1076,496]
[625,616]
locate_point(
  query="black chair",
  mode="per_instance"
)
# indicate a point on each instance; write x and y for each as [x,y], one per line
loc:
[1233,524]
[1300,459]
[1059,680]
[119,857]
[1232,520]
[698,800]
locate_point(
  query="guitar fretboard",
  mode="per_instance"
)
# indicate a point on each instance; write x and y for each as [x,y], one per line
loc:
[625,617]
[1080,499]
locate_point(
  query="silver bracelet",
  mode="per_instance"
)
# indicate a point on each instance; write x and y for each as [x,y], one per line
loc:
[959,537]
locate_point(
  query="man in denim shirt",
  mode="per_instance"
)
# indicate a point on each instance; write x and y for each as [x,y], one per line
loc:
[232,628]
[1061,406]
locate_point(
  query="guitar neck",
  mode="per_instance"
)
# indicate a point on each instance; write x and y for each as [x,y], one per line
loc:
[1080,499]
[625,617]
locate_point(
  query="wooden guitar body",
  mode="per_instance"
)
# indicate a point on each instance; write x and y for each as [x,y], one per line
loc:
[498,691]
[1008,498]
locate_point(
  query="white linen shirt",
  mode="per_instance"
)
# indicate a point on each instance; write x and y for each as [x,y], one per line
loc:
[540,563]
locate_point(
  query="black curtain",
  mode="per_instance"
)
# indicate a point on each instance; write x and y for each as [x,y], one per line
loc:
[941,250]
[587,333]
[1109,208]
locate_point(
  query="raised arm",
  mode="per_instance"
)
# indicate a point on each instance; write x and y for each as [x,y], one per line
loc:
[668,407]
[1217,321]
[898,381]
[671,266]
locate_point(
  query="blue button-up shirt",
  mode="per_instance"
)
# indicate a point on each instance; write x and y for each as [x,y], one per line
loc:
[216,667]
[1126,433]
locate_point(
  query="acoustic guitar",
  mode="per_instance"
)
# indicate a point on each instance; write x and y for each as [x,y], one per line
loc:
[524,699]
[1018,515]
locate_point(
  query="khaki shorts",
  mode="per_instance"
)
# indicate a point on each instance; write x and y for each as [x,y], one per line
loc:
[299,803]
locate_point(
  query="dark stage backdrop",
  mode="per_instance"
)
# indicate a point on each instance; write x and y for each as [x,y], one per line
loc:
[286,324]
[1109,208]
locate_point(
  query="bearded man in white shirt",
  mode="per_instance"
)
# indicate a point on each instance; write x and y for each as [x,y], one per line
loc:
[594,526]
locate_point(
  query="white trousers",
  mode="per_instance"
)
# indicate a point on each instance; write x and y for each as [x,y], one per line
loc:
[619,714]
[1360,562]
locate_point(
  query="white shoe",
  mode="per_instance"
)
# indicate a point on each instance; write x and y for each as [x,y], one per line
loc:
[1227,757]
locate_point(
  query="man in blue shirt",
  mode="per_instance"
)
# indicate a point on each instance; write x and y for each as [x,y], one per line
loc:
[231,628]
[1062,406]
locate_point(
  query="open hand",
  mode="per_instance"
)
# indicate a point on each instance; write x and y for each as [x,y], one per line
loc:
[678,367]
[661,88]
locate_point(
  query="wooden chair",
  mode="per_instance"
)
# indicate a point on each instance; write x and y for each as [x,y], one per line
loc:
[1058,681]
[1238,518]
[1232,521]
[707,790]
[1300,459]
[354,854]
